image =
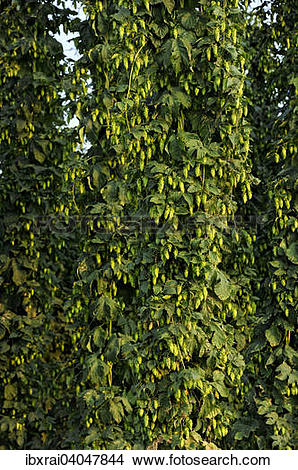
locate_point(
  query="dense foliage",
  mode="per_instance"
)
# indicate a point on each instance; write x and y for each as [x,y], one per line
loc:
[165,318]
[272,356]
[37,252]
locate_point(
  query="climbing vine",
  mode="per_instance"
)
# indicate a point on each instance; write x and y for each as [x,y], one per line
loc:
[271,419]
[148,256]
[37,245]
[169,150]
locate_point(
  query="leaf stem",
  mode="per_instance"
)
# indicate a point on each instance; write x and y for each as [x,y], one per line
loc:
[129,84]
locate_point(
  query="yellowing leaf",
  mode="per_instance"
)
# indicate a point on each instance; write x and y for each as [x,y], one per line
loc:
[169,4]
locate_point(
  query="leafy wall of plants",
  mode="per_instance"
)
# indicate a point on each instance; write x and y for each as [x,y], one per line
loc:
[167,163]
[272,356]
[165,318]
[37,247]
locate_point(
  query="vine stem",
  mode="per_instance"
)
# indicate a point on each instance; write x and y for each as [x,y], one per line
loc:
[129,83]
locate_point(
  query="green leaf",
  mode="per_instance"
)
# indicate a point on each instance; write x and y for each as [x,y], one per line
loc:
[18,275]
[106,307]
[169,4]
[292,252]
[99,337]
[138,132]
[10,392]
[121,88]
[294,81]
[170,287]
[218,384]
[95,177]
[2,331]
[160,30]
[218,376]
[97,369]
[223,288]
[210,186]
[243,430]
[284,371]
[107,101]
[195,436]
[38,155]
[293,377]
[272,418]
[174,148]
[273,335]
[191,141]
[221,388]
[113,349]
[158,199]
[21,124]
[210,445]
[265,406]
[116,410]
[126,404]
[4,347]
[92,437]
[208,409]
[90,397]
[188,20]
[181,97]
[189,199]
[219,337]
[194,188]
[4,263]
[122,15]
[277,263]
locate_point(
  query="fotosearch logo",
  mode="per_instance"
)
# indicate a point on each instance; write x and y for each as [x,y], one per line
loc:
[200,460]
[188,460]
[228,460]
